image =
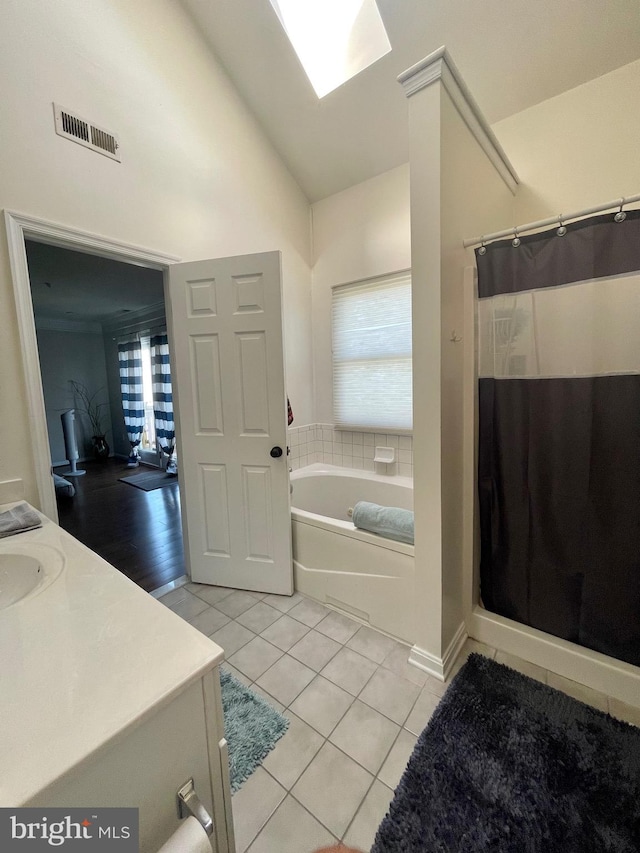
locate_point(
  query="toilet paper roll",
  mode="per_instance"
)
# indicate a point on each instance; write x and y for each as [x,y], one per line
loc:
[190,837]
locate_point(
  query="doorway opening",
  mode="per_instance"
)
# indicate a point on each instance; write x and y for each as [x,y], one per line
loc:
[78,296]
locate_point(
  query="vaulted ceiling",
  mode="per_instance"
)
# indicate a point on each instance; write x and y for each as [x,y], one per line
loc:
[512,54]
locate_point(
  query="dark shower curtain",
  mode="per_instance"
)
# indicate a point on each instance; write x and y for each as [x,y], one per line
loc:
[559,439]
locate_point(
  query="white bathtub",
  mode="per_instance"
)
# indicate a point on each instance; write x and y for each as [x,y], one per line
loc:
[357,572]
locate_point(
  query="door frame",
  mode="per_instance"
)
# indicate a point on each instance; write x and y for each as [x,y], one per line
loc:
[21,227]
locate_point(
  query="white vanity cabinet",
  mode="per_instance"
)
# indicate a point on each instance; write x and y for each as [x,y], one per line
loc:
[148,765]
[109,698]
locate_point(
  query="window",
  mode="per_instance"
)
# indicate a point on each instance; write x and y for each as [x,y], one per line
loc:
[334,39]
[372,371]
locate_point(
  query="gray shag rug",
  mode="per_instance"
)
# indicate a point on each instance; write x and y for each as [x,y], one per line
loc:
[507,764]
[251,727]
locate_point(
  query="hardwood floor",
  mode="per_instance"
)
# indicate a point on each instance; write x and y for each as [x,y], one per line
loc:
[138,532]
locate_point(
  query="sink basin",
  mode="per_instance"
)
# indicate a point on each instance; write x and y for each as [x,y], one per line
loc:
[26,570]
[19,575]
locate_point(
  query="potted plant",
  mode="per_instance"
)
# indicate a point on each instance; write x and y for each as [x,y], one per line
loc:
[95,411]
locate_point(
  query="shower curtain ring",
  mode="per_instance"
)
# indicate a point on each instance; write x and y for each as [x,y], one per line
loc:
[516,240]
[562,229]
[483,249]
[620,215]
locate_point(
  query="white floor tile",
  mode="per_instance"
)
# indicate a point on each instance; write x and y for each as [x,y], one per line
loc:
[578,691]
[253,805]
[210,594]
[257,595]
[397,660]
[315,650]
[322,705]
[291,830]
[209,621]
[349,670]
[365,735]
[623,711]
[255,658]
[267,697]
[283,603]
[286,679]
[232,637]
[174,596]
[308,612]
[422,711]
[371,644]
[236,603]
[237,674]
[189,606]
[390,694]
[332,788]
[293,752]
[470,647]
[362,831]
[285,632]
[258,617]
[437,687]
[396,761]
[522,666]
[340,628]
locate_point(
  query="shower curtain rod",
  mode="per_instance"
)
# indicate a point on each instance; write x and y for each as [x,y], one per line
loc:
[554,220]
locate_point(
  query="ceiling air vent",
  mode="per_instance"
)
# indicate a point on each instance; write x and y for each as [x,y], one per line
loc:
[72,126]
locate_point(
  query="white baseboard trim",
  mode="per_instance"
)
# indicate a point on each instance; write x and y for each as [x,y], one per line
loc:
[453,649]
[79,461]
[597,671]
[427,662]
[439,667]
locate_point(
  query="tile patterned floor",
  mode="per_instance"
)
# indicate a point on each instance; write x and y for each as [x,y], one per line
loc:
[356,709]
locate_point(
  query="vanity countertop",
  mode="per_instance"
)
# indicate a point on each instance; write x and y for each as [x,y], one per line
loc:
[82,662]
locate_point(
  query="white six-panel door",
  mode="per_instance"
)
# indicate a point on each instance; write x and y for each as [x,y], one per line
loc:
[228,378]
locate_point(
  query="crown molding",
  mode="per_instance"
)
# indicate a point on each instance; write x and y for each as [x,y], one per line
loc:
[439,66]
[149,315]
[57,324]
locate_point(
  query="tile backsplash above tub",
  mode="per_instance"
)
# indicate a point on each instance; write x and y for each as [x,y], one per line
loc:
[347,448]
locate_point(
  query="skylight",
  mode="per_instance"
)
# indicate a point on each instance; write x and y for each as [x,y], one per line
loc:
[334,39]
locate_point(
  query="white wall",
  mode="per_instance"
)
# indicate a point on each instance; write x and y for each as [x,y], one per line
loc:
[571,151]
[359,233]
[198,178]
[455,189]
[578,149]
[78,356]
[474,198]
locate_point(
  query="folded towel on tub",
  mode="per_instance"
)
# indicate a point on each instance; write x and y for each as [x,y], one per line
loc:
[18,520]
[388,521]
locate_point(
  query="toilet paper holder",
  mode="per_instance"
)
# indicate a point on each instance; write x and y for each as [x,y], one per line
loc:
[189,804]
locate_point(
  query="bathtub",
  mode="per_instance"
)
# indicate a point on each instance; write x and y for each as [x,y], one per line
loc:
[359,573]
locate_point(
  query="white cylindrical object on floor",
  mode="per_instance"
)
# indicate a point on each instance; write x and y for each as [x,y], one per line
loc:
[69,433]
[70,443]
[190,837]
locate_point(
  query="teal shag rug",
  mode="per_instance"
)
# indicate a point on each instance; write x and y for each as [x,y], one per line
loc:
[251,726]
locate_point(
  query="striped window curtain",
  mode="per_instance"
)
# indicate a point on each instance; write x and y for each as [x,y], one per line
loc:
[163,397]
[130,361]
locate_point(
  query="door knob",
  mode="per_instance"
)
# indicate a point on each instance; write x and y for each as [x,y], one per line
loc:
[276,452]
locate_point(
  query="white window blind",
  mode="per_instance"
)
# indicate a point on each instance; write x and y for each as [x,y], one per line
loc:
[372,364]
